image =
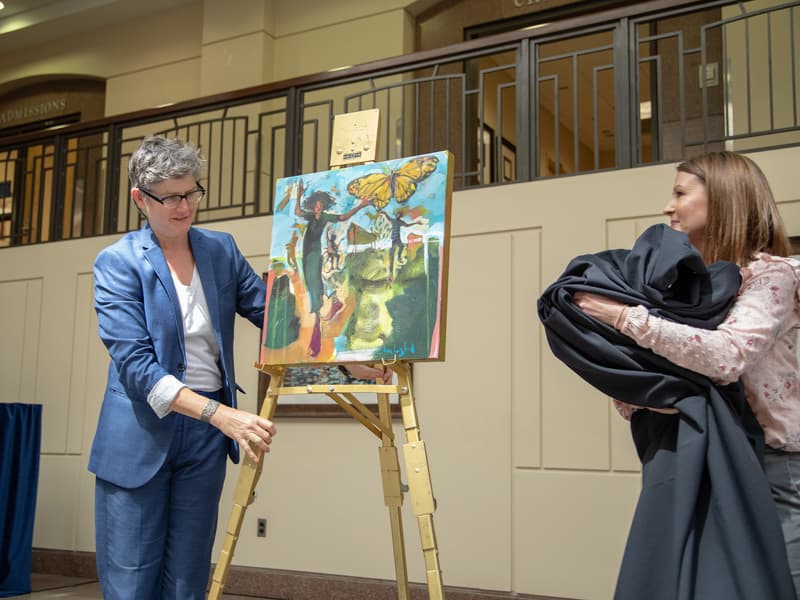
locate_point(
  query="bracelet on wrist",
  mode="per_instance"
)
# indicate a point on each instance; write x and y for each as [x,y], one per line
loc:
[208,410]
[620,320]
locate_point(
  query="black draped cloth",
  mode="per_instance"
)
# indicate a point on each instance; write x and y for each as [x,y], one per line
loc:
[705,526]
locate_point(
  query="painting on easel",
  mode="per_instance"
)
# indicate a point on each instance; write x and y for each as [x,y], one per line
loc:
[359,260]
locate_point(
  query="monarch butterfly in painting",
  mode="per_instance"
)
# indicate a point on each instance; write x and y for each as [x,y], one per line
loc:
[399,183]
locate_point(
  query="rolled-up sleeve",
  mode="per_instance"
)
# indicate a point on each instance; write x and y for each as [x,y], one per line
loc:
[163,394]
[765,303]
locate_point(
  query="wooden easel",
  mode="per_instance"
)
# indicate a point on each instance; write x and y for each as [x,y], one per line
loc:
[349,148]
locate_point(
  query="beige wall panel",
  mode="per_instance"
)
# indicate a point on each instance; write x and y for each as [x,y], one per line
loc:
[572,214]
[226,20]
[526,348]
[574,209]
[84,340]
[777,139]
[55,369]
[164,38]
[293,17]
[57,506]
[569,532]
[340,44]
[465,415]
[252,237]
[320,492]
[790,211]
[622,233]
[778,168]
[51,303]
[19,321]
[236,63]
[153,87]
[170,36]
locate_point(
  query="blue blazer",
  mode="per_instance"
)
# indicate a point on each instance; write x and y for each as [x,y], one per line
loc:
[140,323]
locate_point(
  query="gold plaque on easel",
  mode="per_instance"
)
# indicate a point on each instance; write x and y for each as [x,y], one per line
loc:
[355,136]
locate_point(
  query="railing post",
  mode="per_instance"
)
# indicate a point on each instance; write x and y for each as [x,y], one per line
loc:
[624,118]
[111,200]
[527,149]
[58,190]
[18,197]
[294,134]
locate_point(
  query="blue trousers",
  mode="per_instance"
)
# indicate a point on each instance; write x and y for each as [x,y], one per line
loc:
[783,473]
[154,542]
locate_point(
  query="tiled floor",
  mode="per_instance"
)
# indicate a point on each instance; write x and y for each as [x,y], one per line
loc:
[59,586]
[50,587]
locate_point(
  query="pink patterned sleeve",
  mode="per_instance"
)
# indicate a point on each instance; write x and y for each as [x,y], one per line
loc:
[765,303]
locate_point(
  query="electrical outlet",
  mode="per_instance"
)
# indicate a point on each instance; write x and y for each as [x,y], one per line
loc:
[261,529]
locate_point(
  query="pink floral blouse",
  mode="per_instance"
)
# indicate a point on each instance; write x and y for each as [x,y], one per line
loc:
[757,341]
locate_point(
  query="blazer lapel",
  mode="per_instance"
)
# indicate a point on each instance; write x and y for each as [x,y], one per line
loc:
[153,254]
[205,267]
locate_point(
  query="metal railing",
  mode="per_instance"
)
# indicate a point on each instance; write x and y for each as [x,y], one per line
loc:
[651,82]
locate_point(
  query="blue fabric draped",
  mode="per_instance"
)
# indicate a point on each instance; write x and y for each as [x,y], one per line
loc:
[20,439]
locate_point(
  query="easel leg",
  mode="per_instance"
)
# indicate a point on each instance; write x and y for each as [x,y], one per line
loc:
[419,484]
[242,497]
[393,497]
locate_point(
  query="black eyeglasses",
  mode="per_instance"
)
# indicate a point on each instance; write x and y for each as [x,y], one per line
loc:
[173,200]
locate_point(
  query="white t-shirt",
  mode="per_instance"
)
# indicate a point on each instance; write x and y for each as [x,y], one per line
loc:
[202,351]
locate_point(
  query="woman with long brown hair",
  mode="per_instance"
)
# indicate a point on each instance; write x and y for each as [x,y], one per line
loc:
[723,203]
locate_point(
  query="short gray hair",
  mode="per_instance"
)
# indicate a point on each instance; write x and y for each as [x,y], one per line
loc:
[160,158]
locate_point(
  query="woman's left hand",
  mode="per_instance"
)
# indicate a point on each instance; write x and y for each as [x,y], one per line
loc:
[600,307]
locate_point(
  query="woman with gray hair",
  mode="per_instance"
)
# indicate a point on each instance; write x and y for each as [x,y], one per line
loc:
[166,298]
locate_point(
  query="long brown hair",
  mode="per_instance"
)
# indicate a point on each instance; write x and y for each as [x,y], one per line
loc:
[743,218]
